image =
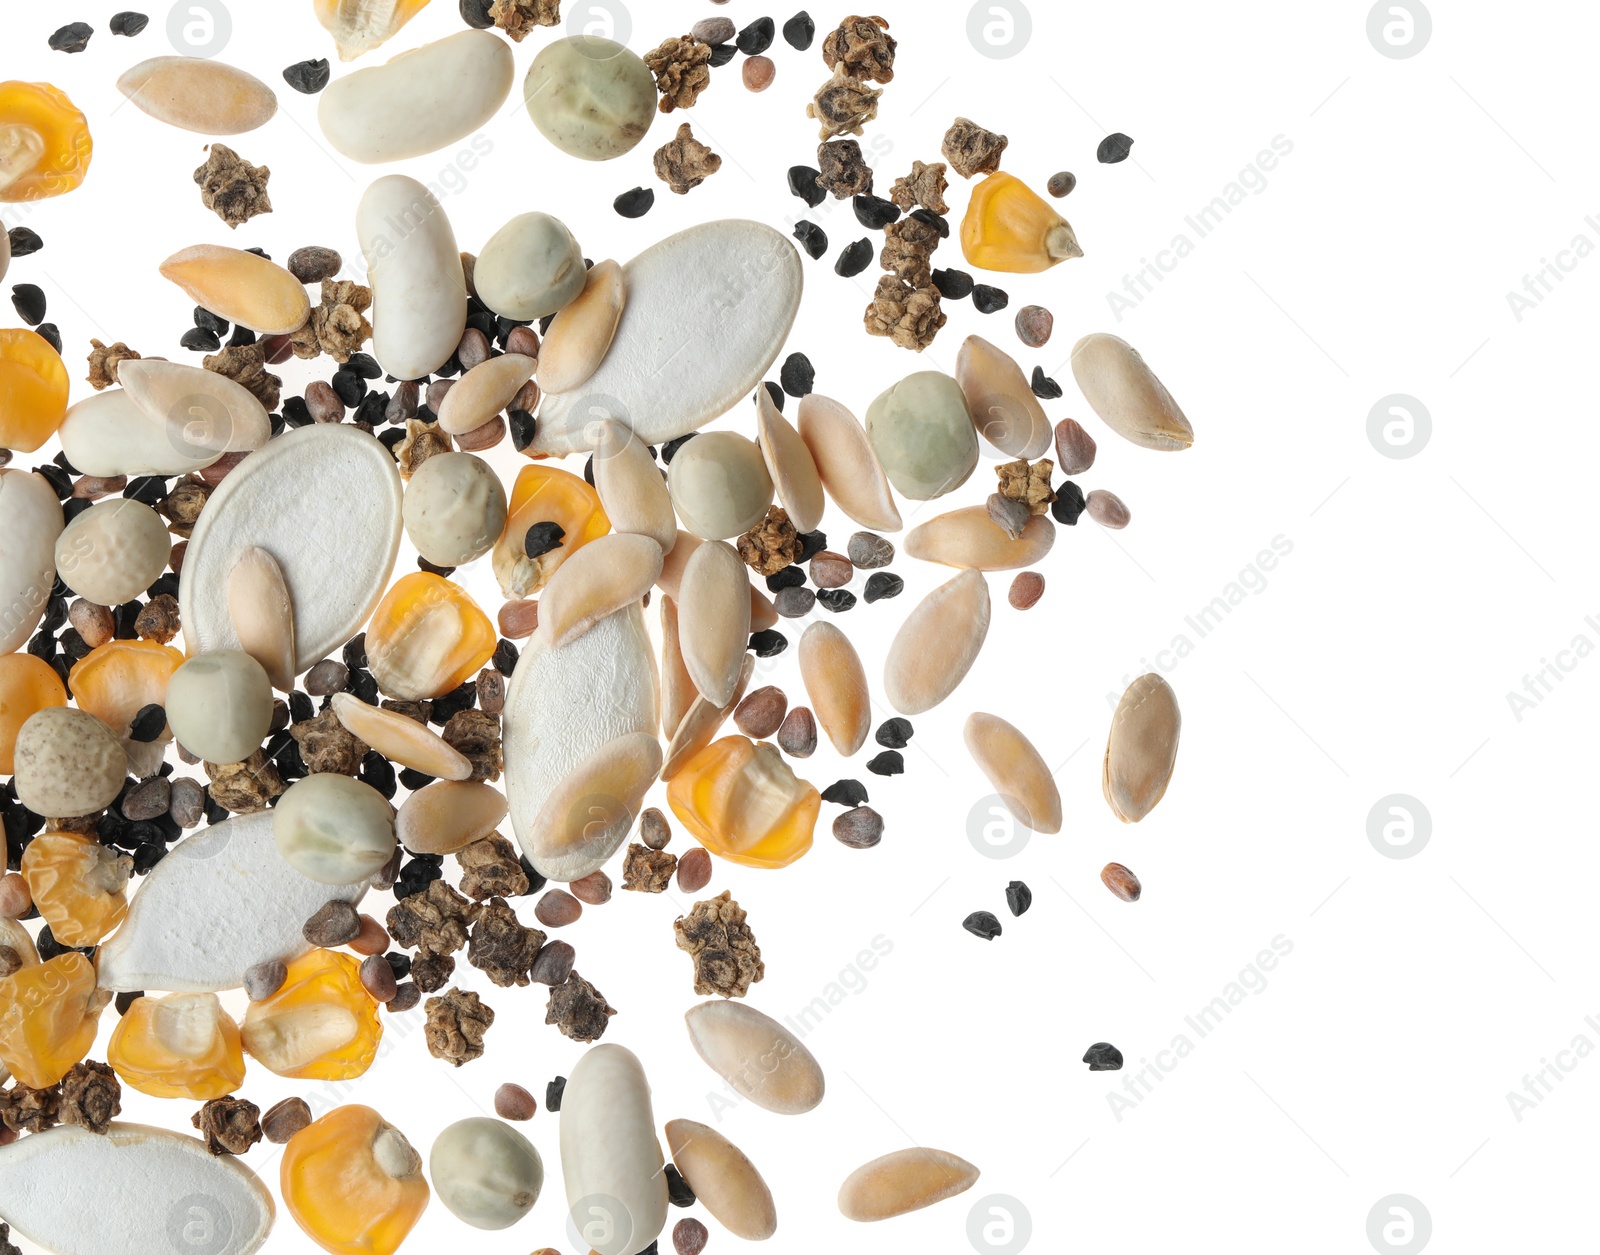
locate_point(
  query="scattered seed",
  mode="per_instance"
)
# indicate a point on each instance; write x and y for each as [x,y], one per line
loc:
[874,212]
[812,238]
[794,602]
[635,204]
[894,734]
[1026,589]
[595,888]
[758,73]
[334,924]
[798,735]
[803,183]
[757,37]
[128,23]
[1034,325]
[1103,1057]
[308,77]
[1114,148]
[557,908]
[694,870]
[377,978]
[1045,388]
[798,375]
[476,13]
[265,979]
[953,285]
[888,763]
[679,1192]
[989,300]
[799,31]
[689,1237]
[882,585]
[148,724]
[29,301]
[284,1120]
[1075,448]
[313,264]
[654,830]
[73,37]
[406,997]
[552,1093]
[721,54]
[868,551]
[553,964]
[761,713]
[25,241]
[1018,897]
[199,340]
[831,570]
[512,1102]
[1062,183]
[1069,503]
[854,259]
[714,30]
[768,644]
[982,924]
[542,538]
[860,828]
[1107,509]
[837,600]
[1121,882]
[845,793]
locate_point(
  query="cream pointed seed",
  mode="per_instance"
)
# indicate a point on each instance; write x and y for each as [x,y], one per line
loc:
[400,738]
[581,335]
[714,619]
[449,815]
[1126,394]
[836,684]
[262,615]
[631,487]
[1001,400]
[572,835]
[755,1054]
[484,391]
[1019,775]
[1142,748]
[847,464]
[199,94]
[724,1180]
[678,692]
[904,1181]
[702,722]
[600,578]
[970,539]
[937,644]
[790,464]
[241,287]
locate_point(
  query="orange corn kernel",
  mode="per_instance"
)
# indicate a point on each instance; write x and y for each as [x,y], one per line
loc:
[79,885]
[545,494]
[33,389]
[321,1026]
[742,802]
[1010,227]
[353,1182]
[117,680]
[45,146]
[27,686]
[48,1015]
[178,1046]
[427,637]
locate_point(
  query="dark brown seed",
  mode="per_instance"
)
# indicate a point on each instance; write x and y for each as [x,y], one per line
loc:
[1026,590]
[328,677]
[794,603]
[473,349]
[188,803]
[557,908]
[334,925]
[1034,325]
[1075,448]
[313,265]
[553,964]
[285,1120]
[484,437]
[694,870]
[324,402]
[761,713]
[1121,882]
[377,978]
[512,1102]
[595,889]
[524,341]
[406,997]
[1061,183]
[689,1236]
[860,828]
[798,735]
[654,831]
[831,570]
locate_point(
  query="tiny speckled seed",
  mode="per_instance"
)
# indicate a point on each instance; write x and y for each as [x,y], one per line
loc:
[758,73]
[860,828]
[1075,448]
[831,570]
[694,870]
[512,1102]
[798,735]
[557,909]
[328,677]
[868,551]
[1034,325]
[406,997]
[1107,509]
[1061,183]
[595,888]
[285,1119]
[265,979]
[761,713]
[553,964]
[1026,590]
[798,375]
[654,830]
[982,924]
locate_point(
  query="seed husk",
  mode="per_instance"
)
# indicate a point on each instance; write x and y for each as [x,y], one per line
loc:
[1142,748]
[1016,770]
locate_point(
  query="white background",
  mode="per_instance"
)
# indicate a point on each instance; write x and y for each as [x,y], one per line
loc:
[1374,659]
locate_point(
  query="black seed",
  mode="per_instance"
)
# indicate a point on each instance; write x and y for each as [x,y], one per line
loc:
[261,253]
[757,37]
[351,387]
[854,259]
[1043,386]
[544,323]
[241,337]
[938,223]
[894,734]
[165,585]
[1062,183]
[28,300]
[523,429]
[670,449]
[49,948]
[377,771]
[542,538]
[536,882]
[372,410]
[128,23]
[953,285]
[803,183]
[721,54]
[125,1000]
[74,506]
[1068,504]
[505,657]
[148,724]
[875,213]
[211,322]
[42,646]
[553,1092]
[199,340]
[25,241]
[308,77]
[845,793]
[362,684]
[776,393]
[1103,1057]
[1114,148]
[881,585]
[800,30]
[354,652]
[811,544]
[149,489]
[147,856]
[296,413]
[982,924]
[812,238]
[416,876]
[791,576]
[463,697]
[989,300]
[424,565]
[679,1194]
[837,600]
[888,763]
[1018,897]
[769,644]
[365,365]
[73,37]
[62,482]
[50,334]
[475,13]
[798,375]
[635,204]
[412,780]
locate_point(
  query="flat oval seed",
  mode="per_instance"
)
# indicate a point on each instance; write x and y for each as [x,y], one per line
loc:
[906,1180]
[419,289]
[1001,400]
[241,287]
[1107,509]
[762,613]
[599,579]
[755,1054]
[262,618]
[631,487]
[714,619]
[573,833]
[484,391]
[400,739]
[449,815]
[761,713]
[789,462]
[836,683]
[1126,394]
[199,94]
[846,463]
[1142,748]
[1075,448]
[724,1180]
[937,644]
[1019,775]
[969,539]
[581,334]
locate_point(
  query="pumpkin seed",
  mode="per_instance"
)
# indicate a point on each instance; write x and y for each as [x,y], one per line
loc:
[1126,394]
[937,644]
[1142,748]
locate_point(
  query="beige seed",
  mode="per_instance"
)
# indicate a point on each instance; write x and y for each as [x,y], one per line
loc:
[678,692]
[968,538]
[702,723]
[836,683]
[631,487]
[240,287]
[760,1058]
[790,464]
[1121,882]
[758,73]
[724,1180]
[483,392]
[762,613]
[1026,590]
[1001,400]
[1142,748]
[1107,509]
[359,26]
[1126,394]
[95,623]
[846,463]
[904,1181]
[449,815]
[1075,448]
[588,814]
[199,94]
[262,616]
[937,644]
[714,619]
[399,739]
[581,334]
[597,580]
[761,713]
[1016,771]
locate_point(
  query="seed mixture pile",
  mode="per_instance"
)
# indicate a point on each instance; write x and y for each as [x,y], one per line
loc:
[245,753]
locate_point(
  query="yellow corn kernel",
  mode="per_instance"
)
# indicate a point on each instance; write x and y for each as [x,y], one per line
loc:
[545,494]
[45,145]
[321,1026]
[178,1046]
[79,885]
[33,389]
[115,681]
[27,686]
[353,1182]
[48,1015]
[427,637]
[358,26]
[1009,227]
[742,802]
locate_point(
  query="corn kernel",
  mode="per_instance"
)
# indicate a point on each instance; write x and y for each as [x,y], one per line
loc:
[353,1183]
[359,26]
[117,680]
[545,494]
[48,1015]
[33,389]
[27,686]
[79,885]
[1011,228]
[741,801]
[427,637]
[322,1025]
[179,1046]
[45,145]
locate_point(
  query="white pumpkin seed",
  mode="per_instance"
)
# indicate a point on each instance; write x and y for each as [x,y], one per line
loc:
[970,539]
[581,334]
[1019,775]
[611,1161]
[199,410]
[1126,394]
[836,684]
[714,619]
[760,1058]
[400,738]
[34,521]
[1001,400]
[937,644]
[199,94]
[789,463]
[262,618]
[846,463]
[1142,748]
[419,289]
[599,579]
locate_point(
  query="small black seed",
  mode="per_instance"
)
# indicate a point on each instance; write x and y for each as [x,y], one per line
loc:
[50,333]
[791,576]
[199,340]
[354,652]
[1068,505]
[412,780]
[261,253]
[25,241]
[721,54]
[351,387]
[1044,387]
[399,963]
[757,37]
[982,924]
[635,204]
[1018,897]
[148,724]
[854,259]
[463,697]
[128,23]
[875,213]
[1114,148]
[894,734]
[536,882]
[475,13]
[553,1092]
[798,375]
[125,1000]
[377,771]
[149,489]
[812,238]
[800,30]
[505,657]
[953,285]
[241,336]
[776,393]
[73,37]
[308,77]
[888,763]
[989,300]
[296,413]
[803,183]
[811,544]
[365,365]
[28,300]
[210,322]
[424,565]
[837,600]
[845,793]
[544,323]
[1103,1057]
[769,644]
[882,585]
[670,449]
[523,429]
[74,506]
[300,707]
[62,482]
[679,1193]
[937,222]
